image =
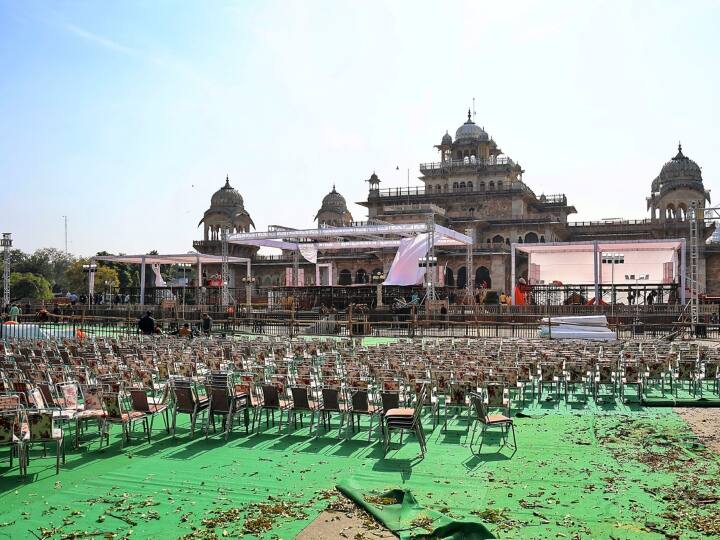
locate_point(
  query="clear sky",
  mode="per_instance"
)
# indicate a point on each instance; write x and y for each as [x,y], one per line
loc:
[126,116]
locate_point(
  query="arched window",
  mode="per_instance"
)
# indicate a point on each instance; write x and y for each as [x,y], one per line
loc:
[482,278]
[361,276]
[462,277]
[498,239]
[482,186]
[520,241]
[455,185]
[542,239]
[438,188]
[470,186]
[449,277]
[471,210]
[500,184]
[345,277]
[462,185]
[491,185]
[531,238]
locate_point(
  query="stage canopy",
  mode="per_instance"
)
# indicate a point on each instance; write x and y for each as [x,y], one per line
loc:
[156,260]
[604,262]
[184,258]
[413,239]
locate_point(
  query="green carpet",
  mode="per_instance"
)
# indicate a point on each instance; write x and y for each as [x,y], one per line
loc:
[580,472]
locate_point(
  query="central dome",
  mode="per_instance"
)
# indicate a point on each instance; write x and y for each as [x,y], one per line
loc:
[335,202]
[470,131]
[226,196]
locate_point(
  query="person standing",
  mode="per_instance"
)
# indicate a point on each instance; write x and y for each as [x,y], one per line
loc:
[14,313]
[146,324]
[207,323]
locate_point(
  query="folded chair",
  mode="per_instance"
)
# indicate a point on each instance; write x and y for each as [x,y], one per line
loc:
[406,419]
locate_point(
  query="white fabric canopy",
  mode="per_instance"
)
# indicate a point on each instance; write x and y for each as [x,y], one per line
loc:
[405,269]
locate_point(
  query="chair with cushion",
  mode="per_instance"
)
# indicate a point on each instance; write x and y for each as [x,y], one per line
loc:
[13,435]
[142,400]
[187,401]
[115,413]
[42,429]
[489,421]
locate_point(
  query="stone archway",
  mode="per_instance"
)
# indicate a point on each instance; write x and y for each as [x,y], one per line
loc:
[449,277]
[462,277]
[345,277]
[482,274]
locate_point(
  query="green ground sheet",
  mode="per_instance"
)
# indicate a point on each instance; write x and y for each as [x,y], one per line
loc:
[579,472]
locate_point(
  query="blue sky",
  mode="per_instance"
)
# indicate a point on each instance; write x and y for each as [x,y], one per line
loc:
[126,116]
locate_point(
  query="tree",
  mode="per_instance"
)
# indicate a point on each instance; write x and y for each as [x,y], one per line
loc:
[49,263]
[77,278]
[29,286]
[129,274]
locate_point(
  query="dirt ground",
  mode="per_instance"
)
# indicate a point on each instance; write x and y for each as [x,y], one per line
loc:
[343,519]
[705,423]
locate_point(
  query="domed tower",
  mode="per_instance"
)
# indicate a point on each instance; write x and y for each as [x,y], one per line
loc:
[333,211]
[227,209]
[678,186]
[445,148]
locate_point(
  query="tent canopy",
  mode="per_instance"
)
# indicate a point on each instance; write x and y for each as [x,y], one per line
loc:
[600,246]
[183,258]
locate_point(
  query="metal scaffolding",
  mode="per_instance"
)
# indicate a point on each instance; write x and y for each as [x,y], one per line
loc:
[6,243]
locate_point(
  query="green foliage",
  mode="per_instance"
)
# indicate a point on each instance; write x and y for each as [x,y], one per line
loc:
[49,263]
[29,286]
[128,274]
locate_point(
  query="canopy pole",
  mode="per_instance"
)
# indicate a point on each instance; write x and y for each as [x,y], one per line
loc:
[512,272]
[248,286]
[199,283]
[682,271]
[142,281]
[596,272]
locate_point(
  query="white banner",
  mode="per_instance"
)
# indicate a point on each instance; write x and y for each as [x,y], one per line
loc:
[309,252]
[405,269]
[159,281]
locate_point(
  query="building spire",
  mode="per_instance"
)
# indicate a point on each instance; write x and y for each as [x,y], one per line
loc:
[679,155]
[227,180]
[469,115]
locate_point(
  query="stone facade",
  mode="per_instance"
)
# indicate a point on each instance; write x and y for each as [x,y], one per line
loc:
[476,189]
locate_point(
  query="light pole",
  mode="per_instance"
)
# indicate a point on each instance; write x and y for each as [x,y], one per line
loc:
[184,284]
[6,243]
[248,281]
[90,270]
[612,259]
[378,278]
